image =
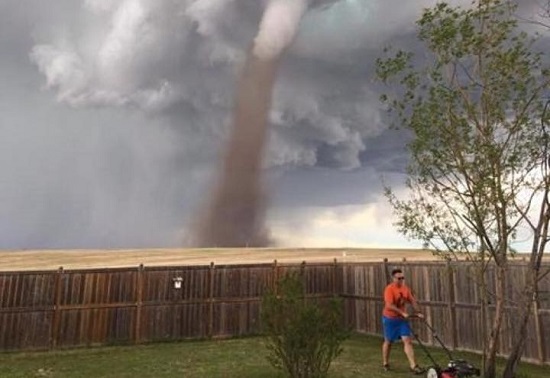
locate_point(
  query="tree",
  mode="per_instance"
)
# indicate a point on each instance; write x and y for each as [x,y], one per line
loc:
[478,172]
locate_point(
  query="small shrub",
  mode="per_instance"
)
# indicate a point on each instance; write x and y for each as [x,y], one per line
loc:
[303,337]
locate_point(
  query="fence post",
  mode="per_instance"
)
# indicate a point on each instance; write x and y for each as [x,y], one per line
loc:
[386,271]
[275,283]
[334,274]
[541,349]
[211,300]
[139,304]
[428,293]
[304,279]
[452,305]
[54,336]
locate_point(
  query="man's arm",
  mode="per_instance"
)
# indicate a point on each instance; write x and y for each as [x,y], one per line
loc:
[414,304]
[396,309]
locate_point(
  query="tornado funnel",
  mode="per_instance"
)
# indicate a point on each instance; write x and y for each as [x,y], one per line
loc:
[235,216]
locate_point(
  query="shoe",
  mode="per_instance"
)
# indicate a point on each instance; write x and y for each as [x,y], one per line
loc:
[417,370]
[386,367]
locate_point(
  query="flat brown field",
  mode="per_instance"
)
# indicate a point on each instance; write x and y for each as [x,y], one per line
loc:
[80,259]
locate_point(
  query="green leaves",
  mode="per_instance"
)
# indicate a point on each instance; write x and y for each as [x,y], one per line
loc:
[474,107]
[386,68]
[303,337]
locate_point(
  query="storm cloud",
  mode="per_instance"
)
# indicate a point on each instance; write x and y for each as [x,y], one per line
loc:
[114,114]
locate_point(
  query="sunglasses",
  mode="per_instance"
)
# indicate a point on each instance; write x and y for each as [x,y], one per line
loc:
[400,278]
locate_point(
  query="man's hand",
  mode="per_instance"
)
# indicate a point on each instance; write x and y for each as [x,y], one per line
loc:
[405,315]
[419,315]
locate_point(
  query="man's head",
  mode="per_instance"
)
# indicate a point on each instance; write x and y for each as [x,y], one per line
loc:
[398,277]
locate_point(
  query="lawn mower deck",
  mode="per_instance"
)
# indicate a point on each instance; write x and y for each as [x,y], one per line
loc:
[456,368]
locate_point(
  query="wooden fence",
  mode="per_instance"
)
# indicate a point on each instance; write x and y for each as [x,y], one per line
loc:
[63,309]
[451,301]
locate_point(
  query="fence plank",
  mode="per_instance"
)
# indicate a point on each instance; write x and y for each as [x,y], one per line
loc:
[210,300]
[54,336]
[538,331]
[333,278]
[426,280]
[275,280]
[139,304]
[451,284]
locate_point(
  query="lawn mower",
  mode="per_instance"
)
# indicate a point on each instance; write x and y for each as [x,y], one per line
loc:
[456,368]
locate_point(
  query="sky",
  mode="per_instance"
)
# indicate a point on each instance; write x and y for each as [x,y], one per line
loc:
[113,117]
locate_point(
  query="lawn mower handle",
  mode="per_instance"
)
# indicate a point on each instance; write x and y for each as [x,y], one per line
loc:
[433,331]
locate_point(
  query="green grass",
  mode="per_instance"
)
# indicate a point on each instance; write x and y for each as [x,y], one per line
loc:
[225,358]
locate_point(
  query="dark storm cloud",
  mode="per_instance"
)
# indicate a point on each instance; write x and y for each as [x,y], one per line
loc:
[181,58]
[82,177]
[114,113]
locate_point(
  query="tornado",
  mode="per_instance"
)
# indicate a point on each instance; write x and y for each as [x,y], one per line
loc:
[235,215]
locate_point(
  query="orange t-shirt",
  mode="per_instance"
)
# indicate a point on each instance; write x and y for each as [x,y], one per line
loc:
[397,296]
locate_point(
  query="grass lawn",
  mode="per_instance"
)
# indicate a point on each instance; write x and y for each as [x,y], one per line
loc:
[225,358]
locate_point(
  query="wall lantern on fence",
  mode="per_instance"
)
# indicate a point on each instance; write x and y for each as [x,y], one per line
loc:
[177,282]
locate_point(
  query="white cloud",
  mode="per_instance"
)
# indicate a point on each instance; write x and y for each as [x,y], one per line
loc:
[365,225]
[278,27]
[64,71]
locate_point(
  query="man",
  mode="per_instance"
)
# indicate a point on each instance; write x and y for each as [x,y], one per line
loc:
[395,320]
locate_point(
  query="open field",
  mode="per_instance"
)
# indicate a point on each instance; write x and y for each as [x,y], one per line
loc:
[80,259]
[221,358]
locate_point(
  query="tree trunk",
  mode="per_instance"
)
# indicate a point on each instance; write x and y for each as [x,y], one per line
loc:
[490,363]
[531,288]
[521,333]
[484,313]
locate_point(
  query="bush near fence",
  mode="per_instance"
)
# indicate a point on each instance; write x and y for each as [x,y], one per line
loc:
[74,308]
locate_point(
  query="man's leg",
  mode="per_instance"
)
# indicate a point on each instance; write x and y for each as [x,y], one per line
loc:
[409,351]
[389,335]
[386,348]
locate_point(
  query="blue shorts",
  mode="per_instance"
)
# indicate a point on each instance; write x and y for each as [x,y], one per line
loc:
[395,328]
